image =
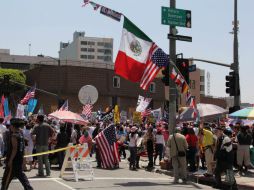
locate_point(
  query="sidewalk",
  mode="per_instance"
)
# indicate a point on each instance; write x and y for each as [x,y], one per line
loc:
[243,182]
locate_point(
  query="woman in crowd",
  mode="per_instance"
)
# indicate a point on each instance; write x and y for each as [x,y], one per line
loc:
[149,144]
[192,141]
[133,148]
[159,145]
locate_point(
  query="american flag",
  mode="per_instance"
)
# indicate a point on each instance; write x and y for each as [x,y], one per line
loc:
[65,106]
[157,60]
[87,110]
[146,113]
[106,142]
[30,94]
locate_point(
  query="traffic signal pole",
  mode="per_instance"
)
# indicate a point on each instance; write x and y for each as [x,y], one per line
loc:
[237,100]
[172,86]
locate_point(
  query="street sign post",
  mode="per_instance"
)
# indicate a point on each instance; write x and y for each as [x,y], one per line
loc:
[176,17]
[179,37]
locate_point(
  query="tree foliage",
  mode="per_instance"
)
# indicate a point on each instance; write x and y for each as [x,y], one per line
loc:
[15,75]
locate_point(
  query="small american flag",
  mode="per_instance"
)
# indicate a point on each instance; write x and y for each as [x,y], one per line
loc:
[65,106]
[157,60]
[146,113]
[30,94]
[87,110]
[106,142]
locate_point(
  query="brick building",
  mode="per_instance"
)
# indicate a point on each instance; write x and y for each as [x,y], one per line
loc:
[112,89]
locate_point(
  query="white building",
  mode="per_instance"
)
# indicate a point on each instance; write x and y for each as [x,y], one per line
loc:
[85,48]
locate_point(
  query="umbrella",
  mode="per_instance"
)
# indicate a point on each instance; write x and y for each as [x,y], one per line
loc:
[205,111]
[68,116]
[246,113]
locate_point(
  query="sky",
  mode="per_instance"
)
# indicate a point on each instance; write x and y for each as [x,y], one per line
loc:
[44,24]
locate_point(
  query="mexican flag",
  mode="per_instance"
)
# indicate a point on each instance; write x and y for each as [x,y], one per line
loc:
[133,54]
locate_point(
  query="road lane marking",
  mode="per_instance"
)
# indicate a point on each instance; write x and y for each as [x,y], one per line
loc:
[63,184]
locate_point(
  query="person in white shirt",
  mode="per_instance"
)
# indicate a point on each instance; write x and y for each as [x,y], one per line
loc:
[2,131]
[159,146]
[133,148]
[29,145]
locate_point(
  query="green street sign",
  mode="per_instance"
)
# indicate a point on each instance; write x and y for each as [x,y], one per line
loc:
[175,17]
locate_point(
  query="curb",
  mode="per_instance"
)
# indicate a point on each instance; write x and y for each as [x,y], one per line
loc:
[204,180]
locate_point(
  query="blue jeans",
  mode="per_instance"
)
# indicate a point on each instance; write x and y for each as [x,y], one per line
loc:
[43,160]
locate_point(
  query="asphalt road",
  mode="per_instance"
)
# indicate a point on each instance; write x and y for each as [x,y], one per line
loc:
[121,178]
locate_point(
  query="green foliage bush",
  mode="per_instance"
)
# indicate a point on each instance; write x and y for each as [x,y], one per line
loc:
[15,75]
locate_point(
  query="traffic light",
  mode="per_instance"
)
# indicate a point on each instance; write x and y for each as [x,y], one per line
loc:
[165,78]
[230,83]
[183,67]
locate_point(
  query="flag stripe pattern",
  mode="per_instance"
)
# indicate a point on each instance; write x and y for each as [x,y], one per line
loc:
[157,60]
[106,141]
[30,94]
[146,113]
[65,106]
[87,110]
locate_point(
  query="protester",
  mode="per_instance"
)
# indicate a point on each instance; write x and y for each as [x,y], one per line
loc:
[121,138]
[192,141]
[29,145]
[42,132]
[244,140]
[133,148]
[159,145]
[62,141]
[14,157]
[2,131]
[178,146]
[149,141]
[223,156]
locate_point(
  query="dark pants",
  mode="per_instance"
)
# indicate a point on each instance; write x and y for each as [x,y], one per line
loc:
[150,159]
[133,156]
[15,171]
[219,169]
[158,151]
[137,161]
[122,151]
[60,156]
[97,156]
[191,156]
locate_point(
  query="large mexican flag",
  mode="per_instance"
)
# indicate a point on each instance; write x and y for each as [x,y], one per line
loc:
[133,53]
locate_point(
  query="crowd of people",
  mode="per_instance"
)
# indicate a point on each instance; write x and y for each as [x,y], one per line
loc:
[191,146]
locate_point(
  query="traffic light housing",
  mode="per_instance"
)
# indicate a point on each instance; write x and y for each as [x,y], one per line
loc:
[232,84]
[183,67]
[165,78]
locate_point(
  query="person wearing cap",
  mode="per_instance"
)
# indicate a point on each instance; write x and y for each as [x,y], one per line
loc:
[133,147]
[42,132]
[14,157]
[223,156]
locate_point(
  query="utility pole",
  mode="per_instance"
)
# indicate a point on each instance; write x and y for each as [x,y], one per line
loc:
[172,86]
[237,100]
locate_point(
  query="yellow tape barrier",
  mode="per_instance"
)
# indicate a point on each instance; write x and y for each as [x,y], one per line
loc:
[48,152]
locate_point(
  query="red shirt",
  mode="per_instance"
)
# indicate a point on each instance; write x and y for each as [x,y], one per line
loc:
[192,140]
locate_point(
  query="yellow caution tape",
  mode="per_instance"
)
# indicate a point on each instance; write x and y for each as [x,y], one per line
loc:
[48,152]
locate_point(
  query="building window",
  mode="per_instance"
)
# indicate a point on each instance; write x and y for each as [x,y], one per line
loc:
[202,88]
[90,56]
[100,43]
[107,51]
[100,57]
[83,42]
[107,58]
[108,45]
[101,50]
[83,56]
[91,43]
[116,82]
[90,49]
[83,49]
[202,79]
[192,84]
[152,87]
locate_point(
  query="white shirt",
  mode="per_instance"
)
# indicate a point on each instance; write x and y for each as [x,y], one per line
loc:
[2,129]
[27,135]
[133,140]
[160,139]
